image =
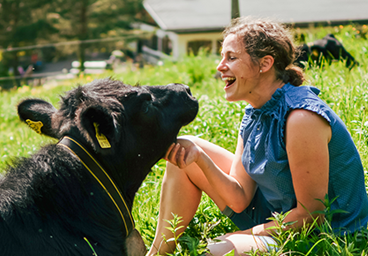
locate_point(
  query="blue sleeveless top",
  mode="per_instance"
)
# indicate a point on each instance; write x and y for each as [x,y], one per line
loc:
[265,159]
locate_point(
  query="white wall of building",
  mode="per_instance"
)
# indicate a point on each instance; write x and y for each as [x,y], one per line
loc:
[180,41]
[180,46]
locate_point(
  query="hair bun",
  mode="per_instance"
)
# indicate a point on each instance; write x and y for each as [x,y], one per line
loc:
[293,75]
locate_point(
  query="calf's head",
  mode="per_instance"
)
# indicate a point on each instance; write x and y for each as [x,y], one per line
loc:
[129,128]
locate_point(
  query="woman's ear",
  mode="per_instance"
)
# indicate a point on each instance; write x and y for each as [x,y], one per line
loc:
[266,63]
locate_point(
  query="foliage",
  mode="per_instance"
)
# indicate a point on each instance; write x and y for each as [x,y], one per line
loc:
[345,91]
[21,23]
[25,23]
[92,19]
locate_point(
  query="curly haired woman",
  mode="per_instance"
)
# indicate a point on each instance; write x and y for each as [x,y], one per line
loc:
[292,149]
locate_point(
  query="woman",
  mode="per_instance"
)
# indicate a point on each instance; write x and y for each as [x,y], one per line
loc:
[292,149]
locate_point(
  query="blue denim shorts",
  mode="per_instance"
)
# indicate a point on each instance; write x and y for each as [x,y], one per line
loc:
[255,214]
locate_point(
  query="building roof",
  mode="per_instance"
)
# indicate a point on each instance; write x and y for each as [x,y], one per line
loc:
[214,15]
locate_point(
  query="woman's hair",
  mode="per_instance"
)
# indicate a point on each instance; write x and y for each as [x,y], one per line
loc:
[263,37]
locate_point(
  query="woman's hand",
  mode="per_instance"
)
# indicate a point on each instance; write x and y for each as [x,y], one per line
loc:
[183,153]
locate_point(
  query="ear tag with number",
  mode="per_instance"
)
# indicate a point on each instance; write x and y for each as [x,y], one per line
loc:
[36,126]
[102,140]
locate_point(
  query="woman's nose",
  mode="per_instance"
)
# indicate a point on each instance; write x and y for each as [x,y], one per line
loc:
[221,66]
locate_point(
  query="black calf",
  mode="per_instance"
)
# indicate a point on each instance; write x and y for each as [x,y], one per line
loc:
[328,48]
[75,197]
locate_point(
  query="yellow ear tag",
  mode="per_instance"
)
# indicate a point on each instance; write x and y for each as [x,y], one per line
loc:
[102,140]
[315,52]
[36,126]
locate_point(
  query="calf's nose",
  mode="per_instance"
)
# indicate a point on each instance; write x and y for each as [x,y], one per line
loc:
[187,88]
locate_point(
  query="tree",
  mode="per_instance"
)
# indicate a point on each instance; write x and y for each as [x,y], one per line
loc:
[93,19]
[22,22]
[30,22]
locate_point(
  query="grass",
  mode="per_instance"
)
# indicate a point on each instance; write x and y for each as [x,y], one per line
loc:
[218,121]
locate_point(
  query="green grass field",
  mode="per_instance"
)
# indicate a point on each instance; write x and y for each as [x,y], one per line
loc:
[218,121]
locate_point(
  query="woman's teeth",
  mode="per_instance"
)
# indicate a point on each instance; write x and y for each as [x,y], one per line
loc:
[228,80]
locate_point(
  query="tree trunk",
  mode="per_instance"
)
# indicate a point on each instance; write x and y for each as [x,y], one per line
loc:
[83,33]
[235,9]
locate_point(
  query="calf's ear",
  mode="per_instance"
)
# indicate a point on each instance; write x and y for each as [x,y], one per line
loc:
[37,114]
[99,126]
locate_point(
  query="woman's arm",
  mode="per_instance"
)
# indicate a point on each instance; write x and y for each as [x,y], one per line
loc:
[236,189]
[307,138]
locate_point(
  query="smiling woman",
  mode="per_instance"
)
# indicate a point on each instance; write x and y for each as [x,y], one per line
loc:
[292,149]
[248,52]
[239,72]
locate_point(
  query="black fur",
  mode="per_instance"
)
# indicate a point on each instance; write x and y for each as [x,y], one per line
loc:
[49,203]
[327,48]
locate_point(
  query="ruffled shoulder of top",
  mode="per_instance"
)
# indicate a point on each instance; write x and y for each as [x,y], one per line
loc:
[305,97]
[283,101]
[290,97]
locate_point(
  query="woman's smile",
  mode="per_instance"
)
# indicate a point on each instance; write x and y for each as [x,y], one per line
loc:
[228,81]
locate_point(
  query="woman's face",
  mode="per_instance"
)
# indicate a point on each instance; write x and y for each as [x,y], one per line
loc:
[239,72]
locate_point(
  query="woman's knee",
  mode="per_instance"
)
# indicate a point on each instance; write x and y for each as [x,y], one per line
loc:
[220,156]
[214,151]
[175,175]
[192,138]
[173,172]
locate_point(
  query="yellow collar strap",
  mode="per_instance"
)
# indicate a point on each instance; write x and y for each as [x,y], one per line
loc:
[103,179]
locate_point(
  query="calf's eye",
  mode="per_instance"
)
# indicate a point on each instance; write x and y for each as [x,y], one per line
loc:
[145,108]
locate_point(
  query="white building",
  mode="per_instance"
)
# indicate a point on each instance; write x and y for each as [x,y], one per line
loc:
[184,25]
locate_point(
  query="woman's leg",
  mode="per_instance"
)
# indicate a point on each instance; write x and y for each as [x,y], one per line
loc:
[182,191]
[241,244]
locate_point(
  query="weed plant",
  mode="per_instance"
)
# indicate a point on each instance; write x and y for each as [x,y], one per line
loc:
[218,121]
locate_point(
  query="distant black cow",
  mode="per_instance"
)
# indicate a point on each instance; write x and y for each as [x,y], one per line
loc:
[75,197]
[328,48]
